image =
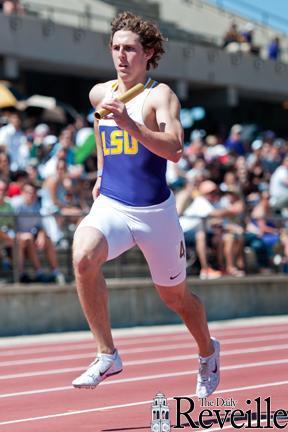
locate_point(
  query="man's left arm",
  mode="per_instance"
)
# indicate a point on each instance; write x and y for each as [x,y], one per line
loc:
[168,141]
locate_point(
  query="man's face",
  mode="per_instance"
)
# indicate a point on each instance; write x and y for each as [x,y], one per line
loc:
[15,120]
[128,54]
[29,194]
[66,139]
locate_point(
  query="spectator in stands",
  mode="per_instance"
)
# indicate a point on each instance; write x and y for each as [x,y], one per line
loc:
[18,179]
[6,222]
[8,234]
[215,151]
[279,186]
[4,166]
[234,143]
[37,139]
[13,140]
[230,182]
[264,227]
[66,143]
[29,223]
[241,171]
[232,36]
[11,7]
[190,191]
[270,158]
[195,227]
[233,232]
[64,149]
[256,177]
[255,156]
[195,150]
[58,192]
[247,34]
[59,198]
[274,49]
[175,176]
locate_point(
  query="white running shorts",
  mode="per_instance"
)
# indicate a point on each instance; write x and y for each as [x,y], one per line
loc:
[154,229]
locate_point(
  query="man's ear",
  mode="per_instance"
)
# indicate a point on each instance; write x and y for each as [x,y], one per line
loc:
[149,53]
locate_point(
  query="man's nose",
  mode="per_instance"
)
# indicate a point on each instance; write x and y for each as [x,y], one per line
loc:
[121,52]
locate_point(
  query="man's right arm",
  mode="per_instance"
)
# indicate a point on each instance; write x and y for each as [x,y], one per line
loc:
[96,96]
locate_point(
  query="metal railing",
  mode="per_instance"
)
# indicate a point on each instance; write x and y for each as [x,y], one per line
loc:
[117,267]
[84,19]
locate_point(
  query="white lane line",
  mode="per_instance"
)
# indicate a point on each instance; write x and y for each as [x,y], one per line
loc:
[147,361]
[91,345]
[147,378]
[190,341]
[127,405]
[91,355]
[223,328]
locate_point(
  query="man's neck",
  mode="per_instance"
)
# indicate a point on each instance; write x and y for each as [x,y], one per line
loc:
[124,85]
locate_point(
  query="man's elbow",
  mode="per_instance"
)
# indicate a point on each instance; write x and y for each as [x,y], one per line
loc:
[176,155]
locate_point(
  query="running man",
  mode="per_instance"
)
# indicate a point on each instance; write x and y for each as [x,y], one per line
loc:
[133,205]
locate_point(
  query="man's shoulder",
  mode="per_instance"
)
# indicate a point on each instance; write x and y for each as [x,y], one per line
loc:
[98,92]
[162,94]
[162,88]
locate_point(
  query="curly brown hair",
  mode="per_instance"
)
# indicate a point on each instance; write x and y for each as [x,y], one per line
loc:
[149,34]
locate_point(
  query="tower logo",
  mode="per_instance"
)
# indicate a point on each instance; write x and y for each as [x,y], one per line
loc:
[160,414]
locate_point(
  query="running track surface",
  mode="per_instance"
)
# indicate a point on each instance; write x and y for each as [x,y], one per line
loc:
[36,373]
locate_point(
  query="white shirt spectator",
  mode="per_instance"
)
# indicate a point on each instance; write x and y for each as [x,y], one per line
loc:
[279,186]
[199,208]
[17,149]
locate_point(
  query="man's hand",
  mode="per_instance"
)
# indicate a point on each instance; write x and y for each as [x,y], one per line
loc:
[96,188]
[120,115]
[40,240]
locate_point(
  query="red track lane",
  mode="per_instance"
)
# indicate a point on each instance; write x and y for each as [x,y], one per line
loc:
[173,361]
[251,367]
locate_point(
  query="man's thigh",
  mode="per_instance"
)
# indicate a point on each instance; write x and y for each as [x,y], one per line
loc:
[113,226]
[163,245]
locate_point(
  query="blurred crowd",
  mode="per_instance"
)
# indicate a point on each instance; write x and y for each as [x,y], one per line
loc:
[232,199]
[46,181]
[242,40]
[231,195]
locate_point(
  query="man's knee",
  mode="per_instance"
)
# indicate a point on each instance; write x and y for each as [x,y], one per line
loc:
[174,299]
[83,262]
[88,254]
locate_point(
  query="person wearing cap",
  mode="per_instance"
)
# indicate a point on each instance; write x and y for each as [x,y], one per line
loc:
[247,34]
[234,143]
[255,156]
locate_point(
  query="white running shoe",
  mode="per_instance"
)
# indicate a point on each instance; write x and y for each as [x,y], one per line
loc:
[101,368]
[209,372]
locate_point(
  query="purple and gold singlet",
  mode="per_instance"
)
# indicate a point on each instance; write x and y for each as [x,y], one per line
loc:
[132,174]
